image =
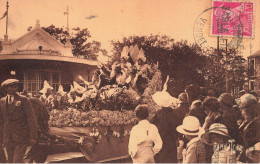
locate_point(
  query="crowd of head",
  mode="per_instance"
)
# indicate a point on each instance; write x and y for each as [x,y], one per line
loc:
[204,128]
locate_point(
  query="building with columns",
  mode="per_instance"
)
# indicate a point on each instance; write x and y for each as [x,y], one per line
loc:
[37,56]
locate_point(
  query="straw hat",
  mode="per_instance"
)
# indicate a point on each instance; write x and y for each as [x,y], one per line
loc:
[190,126]
[218,128]
[227,99]
[247,100]
[46,86]
[163,98]
[61,91]
[9,82]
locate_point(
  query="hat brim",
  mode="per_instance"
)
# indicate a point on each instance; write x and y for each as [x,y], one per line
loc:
[9,82]
[164,99]
[216,132]
[181,130]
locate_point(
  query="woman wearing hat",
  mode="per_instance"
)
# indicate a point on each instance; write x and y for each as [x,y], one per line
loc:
[166,120]
[216,138]
[191,129]
[145,140]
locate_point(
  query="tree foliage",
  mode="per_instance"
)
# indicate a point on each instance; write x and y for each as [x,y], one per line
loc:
[186,63]
[82,47]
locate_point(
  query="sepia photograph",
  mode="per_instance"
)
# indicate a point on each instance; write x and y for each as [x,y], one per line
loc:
[129,81]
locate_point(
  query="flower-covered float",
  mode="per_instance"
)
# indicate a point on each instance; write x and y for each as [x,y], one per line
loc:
[97,118]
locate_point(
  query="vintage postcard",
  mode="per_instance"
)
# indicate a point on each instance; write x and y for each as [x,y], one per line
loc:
[129,81]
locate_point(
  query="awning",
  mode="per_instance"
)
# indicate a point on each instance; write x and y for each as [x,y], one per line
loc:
[48,57]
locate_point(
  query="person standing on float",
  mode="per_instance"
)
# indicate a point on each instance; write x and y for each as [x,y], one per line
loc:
[20,125]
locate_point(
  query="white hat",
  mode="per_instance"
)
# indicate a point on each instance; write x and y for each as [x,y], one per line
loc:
[218,128]
[46,86]
[163,98]
[9,82]
[190,126]
[78,88]
[61,91]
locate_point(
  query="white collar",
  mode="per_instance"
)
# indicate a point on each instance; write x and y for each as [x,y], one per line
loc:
[193,140]
[143,122]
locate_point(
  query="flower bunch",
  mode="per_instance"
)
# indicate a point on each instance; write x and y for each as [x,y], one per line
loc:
[116,134]
[95,134]
[74,117]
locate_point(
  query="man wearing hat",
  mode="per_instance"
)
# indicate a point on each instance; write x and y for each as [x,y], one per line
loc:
[191,129]
[229,114]
[249,130]
[20,126]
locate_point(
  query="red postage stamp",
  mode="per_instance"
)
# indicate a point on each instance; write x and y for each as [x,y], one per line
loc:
[222,20]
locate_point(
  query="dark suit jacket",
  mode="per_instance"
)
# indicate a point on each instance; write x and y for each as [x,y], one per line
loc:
[20,123]
[166,120]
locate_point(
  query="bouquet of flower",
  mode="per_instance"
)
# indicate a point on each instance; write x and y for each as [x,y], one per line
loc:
[74,117]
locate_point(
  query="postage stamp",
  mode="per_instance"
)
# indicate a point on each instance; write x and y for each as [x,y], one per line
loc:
[222,20]
[229,21]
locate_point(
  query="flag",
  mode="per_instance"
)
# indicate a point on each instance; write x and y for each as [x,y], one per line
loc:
[4,15]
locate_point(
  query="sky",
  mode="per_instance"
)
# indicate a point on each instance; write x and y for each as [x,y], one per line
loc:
[115,19]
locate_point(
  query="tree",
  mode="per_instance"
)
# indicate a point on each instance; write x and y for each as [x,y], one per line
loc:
[187,63]
[231,73]
[182,62]
[81,46]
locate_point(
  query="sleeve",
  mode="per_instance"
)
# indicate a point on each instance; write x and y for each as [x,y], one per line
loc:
[31,119]
[191,156]
[132,146]
[157,141]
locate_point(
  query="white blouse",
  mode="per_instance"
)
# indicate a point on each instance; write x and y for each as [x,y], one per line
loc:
[144,131]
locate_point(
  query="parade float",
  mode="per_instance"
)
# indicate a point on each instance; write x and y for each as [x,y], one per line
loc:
[100,133]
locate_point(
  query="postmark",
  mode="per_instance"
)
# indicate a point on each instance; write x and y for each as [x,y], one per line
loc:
[226,22]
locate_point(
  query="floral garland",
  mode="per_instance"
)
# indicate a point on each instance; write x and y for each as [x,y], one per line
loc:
[75,118]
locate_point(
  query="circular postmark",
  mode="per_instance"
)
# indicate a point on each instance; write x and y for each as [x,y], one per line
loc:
[223,23]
